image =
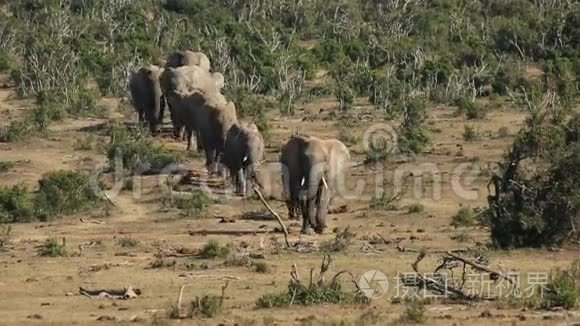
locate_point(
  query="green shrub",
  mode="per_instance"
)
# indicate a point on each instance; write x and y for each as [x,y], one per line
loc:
[414,312]
[377,153]
[16,131]
[5,166]
[464,217]
[63,193]
[5,236]
[539,207]
[262,268]
[127,242]
[194,204]
[137,152]
[16,205]
[412,134]
[316,294]
[385,201]
[470,108]
[562,289]
[207,306]
[469,133]
[213,250]
[51,248]
[503,132]
[415,208]
[5,63]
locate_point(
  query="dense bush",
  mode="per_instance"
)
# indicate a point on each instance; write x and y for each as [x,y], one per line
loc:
[538,206]
[137,152]
[412,135]
[64,193]
[442,49]
[16,205]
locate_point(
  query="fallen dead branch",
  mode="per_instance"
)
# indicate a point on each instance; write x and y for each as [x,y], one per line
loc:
[230,232]
[494,275]
[438,286]
[180,315]
[263,200]
[435,251]
[219,277]
[438,282]
[124,294]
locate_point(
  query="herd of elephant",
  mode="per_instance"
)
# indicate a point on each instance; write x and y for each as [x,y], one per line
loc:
[312,168]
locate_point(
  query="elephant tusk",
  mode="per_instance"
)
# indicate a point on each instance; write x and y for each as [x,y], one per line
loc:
[324,183]
[302,182]
[245,159]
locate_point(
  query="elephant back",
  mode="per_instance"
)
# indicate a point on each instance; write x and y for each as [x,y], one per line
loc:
[188,58]
[186,80]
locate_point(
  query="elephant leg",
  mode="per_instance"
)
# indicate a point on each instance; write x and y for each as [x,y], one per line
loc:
[323,201]
[210,163]
[199,145]
[177,132]
[307,226]
[161,110]
[241,182]
[188,135]
[153,127]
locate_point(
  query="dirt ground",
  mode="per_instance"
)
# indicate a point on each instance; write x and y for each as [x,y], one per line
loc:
[41,290]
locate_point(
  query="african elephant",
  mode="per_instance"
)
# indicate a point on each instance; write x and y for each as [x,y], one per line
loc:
[180,81]
[211,118]
[147,96]
[188,58]
[311,168]
[243,153]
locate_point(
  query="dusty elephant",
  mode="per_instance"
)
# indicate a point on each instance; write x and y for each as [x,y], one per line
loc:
[243,153]
[147,96]
[311,169]
[182,81]
[211,118]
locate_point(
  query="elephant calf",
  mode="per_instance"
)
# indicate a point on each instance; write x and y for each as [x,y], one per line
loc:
[147,96]
[243,152]
[312,169]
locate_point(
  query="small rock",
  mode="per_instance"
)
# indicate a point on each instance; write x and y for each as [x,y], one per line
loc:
[420,230]
[102,306]
[45,304]
[106,318]
[34,316]
[123,309]
[521,317]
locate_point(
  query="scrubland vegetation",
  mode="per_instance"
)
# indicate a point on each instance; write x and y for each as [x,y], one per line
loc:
[395,59]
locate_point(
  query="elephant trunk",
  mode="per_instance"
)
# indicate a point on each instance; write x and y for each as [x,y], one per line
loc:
[317,198]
